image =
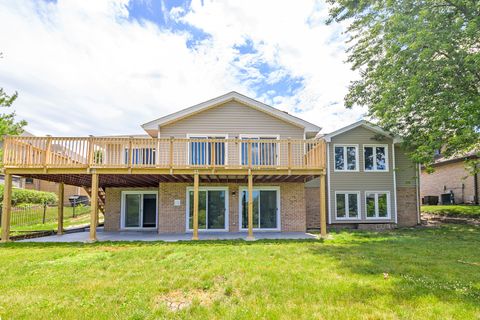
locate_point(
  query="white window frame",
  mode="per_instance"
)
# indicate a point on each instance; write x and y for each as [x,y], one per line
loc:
[344,146]
[206,136]
[347,213]
[187,209]
[123,206]
[258,136]
[389,210]
[374,146]
[261,188]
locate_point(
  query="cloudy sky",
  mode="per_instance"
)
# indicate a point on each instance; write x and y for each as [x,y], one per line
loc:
[107,66]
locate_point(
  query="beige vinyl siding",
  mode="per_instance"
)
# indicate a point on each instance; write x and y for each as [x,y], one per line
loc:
[361,181]
[232,118]
[405,169]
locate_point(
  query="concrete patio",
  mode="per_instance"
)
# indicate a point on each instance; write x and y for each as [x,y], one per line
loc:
[154,236]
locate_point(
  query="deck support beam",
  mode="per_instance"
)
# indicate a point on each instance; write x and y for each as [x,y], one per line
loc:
[94,208]
[323,207]
[61,192]
[196,183]
[7,206]
[250,236]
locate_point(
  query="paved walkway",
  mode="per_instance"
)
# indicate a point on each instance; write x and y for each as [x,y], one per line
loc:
[154,236]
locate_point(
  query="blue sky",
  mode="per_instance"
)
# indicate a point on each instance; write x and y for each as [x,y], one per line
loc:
[107,66]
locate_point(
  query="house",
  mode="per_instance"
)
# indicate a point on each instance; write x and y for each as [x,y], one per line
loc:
[451,176]
[230,164]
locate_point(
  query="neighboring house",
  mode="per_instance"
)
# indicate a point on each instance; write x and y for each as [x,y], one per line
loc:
[215,154]
[451,177]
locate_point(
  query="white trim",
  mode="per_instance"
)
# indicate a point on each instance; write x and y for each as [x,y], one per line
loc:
[357,157]
[206,136]
[417,184]
[187,208]
[258,136]
[231,96]
[347,213]
[328,185]
[259,188]
[376,193]
[361,123]
[122,209]
[374,153]
[394,184]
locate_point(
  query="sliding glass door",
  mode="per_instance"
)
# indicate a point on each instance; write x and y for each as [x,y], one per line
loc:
[139,210]
[207,153]
[212,208]
[265,208]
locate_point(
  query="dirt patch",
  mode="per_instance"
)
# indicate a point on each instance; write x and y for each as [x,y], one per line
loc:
[178,300]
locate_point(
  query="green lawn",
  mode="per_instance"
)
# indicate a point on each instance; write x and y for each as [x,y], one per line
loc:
[467,211]
[433,273]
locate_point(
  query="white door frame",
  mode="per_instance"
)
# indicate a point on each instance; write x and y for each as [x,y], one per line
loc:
[187,209]
[259,188]
[122,211]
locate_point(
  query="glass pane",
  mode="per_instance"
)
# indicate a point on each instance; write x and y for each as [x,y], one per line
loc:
[382,205]
[199,152]
[216,209]
[219,152]
[339,161]
[256,196]
[132,210]
[370,205]
[340,205]
[351,158]
[352,205]
[268,209]
[381,159]
[202,210]
[149,210]
[368,158]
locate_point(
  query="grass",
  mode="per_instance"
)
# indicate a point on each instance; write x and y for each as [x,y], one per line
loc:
[466,211]
[406,274]
[33,214]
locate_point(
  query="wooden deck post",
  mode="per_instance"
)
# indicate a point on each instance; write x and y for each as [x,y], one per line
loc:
[195,205]
[7,206]
[250,236]
[61,191]
[323,207]
[94,208]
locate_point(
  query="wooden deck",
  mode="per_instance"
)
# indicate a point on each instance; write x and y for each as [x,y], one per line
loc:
[162,156]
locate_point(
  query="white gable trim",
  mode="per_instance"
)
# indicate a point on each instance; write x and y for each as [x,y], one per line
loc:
[362,123]
[155,124]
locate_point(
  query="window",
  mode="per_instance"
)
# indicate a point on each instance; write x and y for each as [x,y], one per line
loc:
[376,158]
[266,209]
[346,158]
[377,204]
[263,153]
[143,156]
[212,208]
[203,152]
[29,180]
[347,204]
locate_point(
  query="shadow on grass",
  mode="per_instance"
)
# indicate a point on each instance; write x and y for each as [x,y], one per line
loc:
[443,262]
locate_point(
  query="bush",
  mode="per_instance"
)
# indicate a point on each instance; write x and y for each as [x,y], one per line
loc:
[30,196]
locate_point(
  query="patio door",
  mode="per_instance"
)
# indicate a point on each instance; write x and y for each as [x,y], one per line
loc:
[139,210]
[266,208]
[212,209]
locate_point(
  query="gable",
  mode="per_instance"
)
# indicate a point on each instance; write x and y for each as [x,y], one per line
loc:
[360,135]
[233,118]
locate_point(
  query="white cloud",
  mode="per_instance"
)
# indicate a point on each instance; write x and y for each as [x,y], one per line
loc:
[82,67]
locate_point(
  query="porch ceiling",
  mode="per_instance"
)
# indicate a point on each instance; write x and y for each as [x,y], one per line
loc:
[152,180]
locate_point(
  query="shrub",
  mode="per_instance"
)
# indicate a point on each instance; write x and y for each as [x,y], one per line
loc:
[30,196]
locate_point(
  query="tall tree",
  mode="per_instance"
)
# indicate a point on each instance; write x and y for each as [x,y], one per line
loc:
[419,67]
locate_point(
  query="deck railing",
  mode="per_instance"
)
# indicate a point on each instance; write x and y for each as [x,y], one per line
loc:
[174,153]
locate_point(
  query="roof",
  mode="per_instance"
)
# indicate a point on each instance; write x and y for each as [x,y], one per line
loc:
[461,157]
[231,96]
[362,123]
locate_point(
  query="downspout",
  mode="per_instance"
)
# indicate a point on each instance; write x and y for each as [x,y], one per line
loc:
[475,187]
[418,175]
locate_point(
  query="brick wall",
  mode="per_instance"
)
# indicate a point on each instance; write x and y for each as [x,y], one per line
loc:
[452,176]
[172,218]
[312,196]
[407,206]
